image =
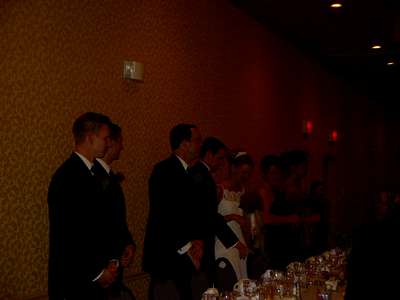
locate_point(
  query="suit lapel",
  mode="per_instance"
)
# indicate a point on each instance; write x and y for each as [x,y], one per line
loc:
[101,175]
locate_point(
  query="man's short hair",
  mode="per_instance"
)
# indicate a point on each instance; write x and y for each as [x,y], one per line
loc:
[89,122]
[178,134]
[115,131]
[211,144]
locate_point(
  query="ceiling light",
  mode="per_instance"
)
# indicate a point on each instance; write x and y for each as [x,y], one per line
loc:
[336,5]
[390,63]
[376,46]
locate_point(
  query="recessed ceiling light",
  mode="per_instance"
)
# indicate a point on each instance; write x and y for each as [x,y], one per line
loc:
[336,5]
[376,46]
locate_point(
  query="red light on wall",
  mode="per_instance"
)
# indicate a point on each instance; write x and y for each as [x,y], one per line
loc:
[307,127]
[333,136]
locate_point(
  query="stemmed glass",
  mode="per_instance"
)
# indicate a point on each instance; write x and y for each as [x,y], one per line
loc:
[226,295]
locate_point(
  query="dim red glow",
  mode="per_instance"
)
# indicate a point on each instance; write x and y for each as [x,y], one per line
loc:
[309,127]
[333,136]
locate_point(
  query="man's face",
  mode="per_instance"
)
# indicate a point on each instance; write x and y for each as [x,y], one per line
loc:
[116,146]
[216,161]
[301,170]
[100,141]
[194,144]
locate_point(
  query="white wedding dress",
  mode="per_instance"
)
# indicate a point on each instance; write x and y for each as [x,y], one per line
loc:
[230,205]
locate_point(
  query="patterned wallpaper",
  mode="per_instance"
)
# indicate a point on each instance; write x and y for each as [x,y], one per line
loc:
[205,62]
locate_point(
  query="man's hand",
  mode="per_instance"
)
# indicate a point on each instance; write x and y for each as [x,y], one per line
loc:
[127,256]
[109,275]
[243,250]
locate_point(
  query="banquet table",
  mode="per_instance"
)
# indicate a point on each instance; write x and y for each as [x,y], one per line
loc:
[311,294]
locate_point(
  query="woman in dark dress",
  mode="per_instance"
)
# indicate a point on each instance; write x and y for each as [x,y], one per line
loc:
[279,216]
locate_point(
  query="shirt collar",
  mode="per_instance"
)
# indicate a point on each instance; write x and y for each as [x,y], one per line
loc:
[204,163]
[87,163]
[184,164]
[104,165]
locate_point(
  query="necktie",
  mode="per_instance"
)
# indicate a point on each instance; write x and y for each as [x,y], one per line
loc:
[96,170]
[93,170]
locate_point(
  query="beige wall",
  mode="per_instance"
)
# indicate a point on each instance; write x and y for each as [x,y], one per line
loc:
[205,62]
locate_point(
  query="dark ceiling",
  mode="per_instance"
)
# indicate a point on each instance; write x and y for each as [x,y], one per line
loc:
[341,38]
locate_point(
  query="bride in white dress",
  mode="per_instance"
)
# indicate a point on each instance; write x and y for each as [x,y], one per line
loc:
[232,191]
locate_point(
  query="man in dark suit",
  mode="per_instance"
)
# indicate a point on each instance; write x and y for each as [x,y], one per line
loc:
[213,224]
[118,229]
[81,261]
[374,259]
[172,249]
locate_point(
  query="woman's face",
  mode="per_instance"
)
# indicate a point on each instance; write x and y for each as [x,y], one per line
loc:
[242,172]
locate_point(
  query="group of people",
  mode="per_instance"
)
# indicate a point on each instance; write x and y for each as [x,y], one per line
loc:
[89,241]
[184,221]
[199,231]
[295,218]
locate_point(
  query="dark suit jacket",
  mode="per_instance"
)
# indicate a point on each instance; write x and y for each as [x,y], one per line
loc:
[118,229]
[170,224]
[117,209]
[206,213]
[79,247]
[374,262]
